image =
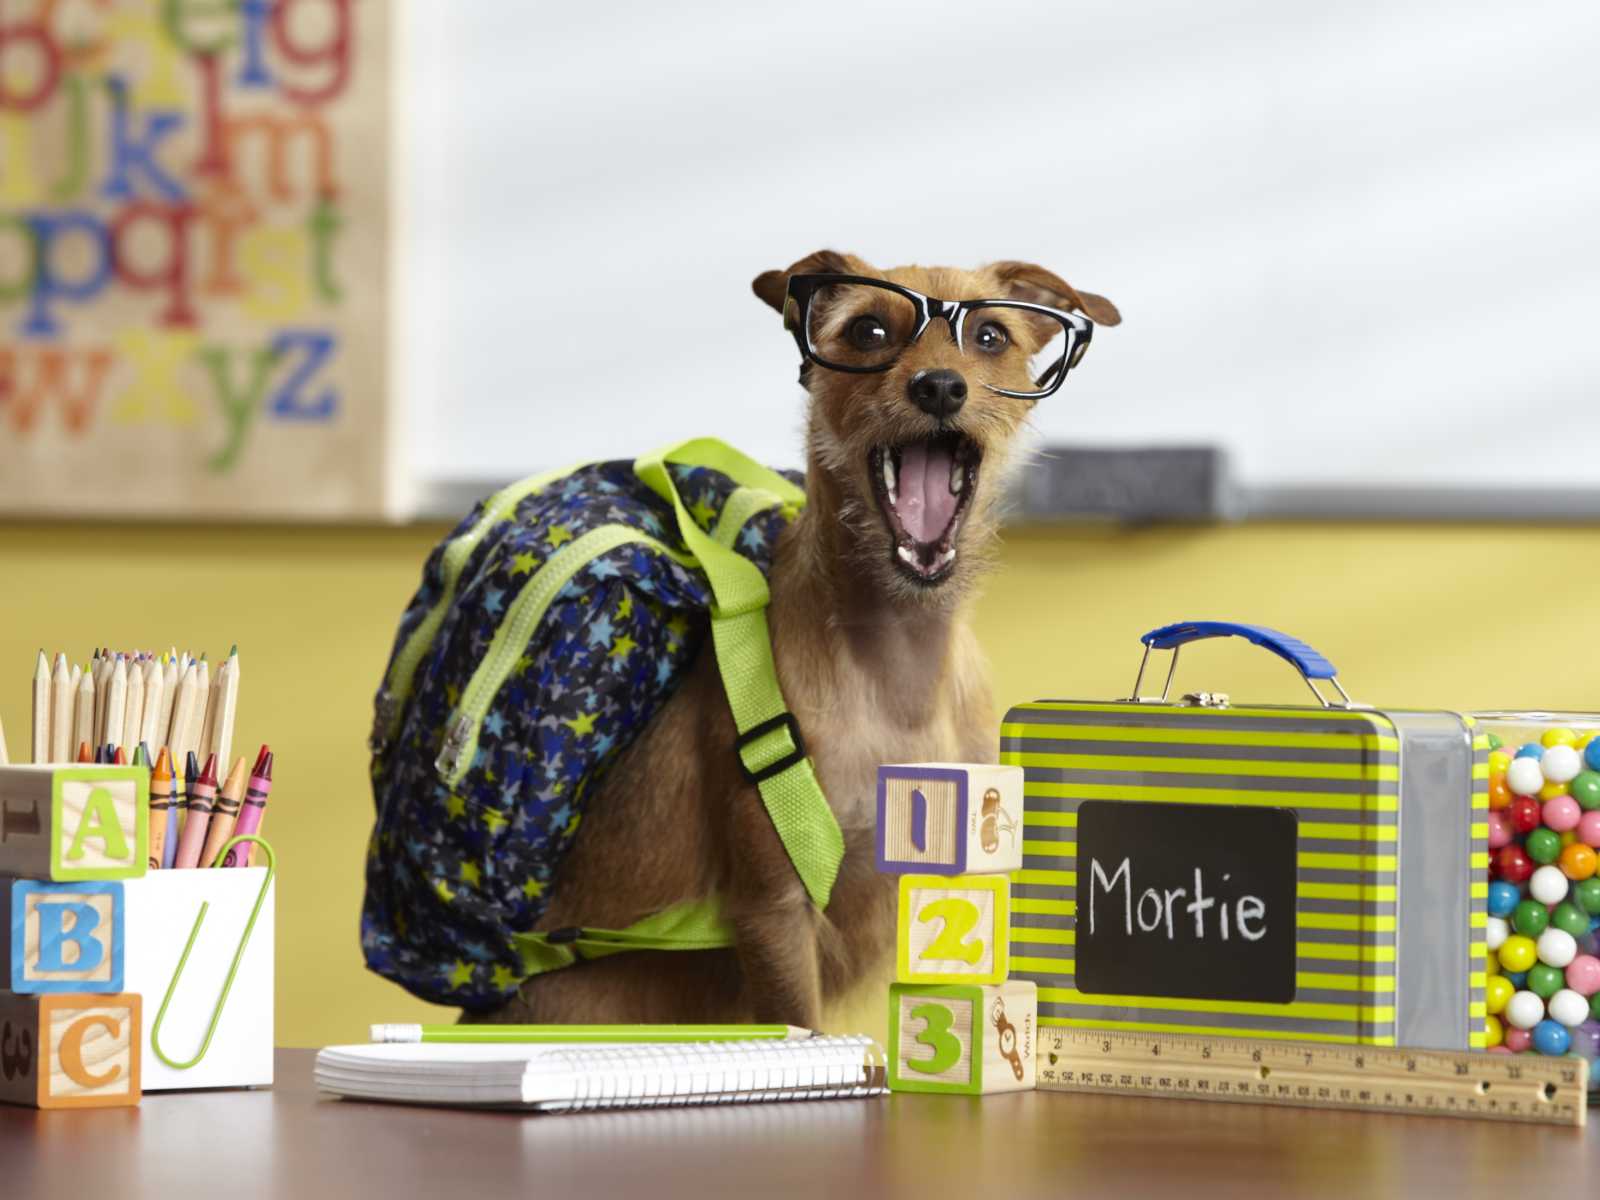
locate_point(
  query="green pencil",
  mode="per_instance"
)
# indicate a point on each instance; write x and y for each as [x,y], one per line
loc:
[586,1033]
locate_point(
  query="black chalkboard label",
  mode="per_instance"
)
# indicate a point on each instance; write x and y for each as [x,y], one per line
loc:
[1186,900]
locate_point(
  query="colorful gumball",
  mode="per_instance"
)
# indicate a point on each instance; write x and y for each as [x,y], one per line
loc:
[1547,885]
[1567,838]
[1497,930]
[1556,948]
[1586,1039]
[1551,790]
[1524,1010]
[1499,760]
[1568,1008]
[1586,895]
[1496,1031]
[1578,862]
[1591,755]
[1532,750]
[1552,1038]
[1561,813]
[1588,829]
[1503,898]
[1583,975]
[1514,864]
[1585,789]
[1518,953]
[1530,918]
[1519,979]
[1557,737]
[1497,993]
[1500,828]
[1524,777]
[1544,981]
[1594,1006]
[1518,1040]
[1499,793]
[1526,813]
[1570,917]
[1561,764]
[1543,845]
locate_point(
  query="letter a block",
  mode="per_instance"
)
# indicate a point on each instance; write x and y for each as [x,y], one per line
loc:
[953,930]
[964,1039]
[63,937]
[74,823]
[949,818]
[70,1051]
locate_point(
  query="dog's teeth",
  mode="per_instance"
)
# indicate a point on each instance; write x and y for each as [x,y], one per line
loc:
[888,476]
[958,478]
[907,556]
[948,557]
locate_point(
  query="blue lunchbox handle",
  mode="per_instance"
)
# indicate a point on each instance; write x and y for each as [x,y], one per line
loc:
[1307,661]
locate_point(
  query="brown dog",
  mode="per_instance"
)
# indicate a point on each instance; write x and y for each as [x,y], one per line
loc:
[868,616]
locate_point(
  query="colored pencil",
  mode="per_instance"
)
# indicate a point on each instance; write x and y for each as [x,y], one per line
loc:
[61,711]
[83,710]
[169,693]
[133,720]
[182,712]
[41,710]
[102,690]
[116,702]
[151,730]
[194,738]
[224,708]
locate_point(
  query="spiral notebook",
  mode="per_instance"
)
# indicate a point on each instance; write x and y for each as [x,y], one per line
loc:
[575,1078]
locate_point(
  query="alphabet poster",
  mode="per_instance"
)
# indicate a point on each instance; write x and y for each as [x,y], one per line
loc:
[194,258]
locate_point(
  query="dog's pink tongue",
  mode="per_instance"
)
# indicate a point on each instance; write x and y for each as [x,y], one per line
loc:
[926,503]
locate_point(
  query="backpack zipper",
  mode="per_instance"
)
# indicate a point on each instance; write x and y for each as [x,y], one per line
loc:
[513,634]
[396,689]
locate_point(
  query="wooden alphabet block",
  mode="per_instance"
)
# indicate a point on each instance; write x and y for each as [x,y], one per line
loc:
[63,937]
[949,818]
[962,1038]
[70,823]
[70,1050]
[953,930]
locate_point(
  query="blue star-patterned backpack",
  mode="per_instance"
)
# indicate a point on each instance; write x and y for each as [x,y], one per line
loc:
[550,626]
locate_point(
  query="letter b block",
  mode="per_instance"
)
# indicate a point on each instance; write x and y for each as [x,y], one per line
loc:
[963,1039]
[63,937]
[70,1051]
[949,818]
[953,929]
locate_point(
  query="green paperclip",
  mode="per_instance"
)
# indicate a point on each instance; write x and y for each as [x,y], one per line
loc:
[227,986]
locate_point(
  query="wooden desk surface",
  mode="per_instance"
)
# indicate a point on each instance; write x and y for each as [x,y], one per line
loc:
[290,1142]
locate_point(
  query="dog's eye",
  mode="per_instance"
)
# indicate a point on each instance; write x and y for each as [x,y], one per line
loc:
[867,333]
[992,338]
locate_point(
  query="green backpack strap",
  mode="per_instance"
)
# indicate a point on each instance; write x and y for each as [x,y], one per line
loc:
[692,925]
[770,747]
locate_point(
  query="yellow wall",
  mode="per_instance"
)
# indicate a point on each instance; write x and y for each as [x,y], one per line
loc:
[1413,615]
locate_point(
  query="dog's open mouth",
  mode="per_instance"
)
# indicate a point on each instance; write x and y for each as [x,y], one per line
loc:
[924,488]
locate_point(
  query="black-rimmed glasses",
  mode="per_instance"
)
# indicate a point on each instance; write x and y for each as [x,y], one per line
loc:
[857,324]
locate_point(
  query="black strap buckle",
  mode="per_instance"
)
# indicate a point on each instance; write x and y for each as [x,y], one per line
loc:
[563,936]
[784,720]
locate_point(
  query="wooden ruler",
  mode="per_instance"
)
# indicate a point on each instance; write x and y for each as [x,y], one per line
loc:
[1551,1091]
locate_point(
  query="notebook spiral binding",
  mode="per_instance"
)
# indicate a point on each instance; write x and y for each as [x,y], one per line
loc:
[651,1076]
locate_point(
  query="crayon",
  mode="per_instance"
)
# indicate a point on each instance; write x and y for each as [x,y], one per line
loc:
[162,815]
[180,806]
[85,754]
[61,710]
[224,815]
[140,758]
[202,793]
[41,710]
[254,811]
[119,756]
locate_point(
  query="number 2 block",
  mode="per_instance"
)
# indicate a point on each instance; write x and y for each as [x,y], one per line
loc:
[70,1051]
[953,929]
[963,1039]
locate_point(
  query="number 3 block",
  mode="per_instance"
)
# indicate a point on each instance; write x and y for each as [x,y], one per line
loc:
[70,1051]
[63,937]
[953,929]
[963,1039]
[949,818]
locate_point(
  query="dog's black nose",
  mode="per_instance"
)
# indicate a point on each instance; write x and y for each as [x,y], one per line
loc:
[938,393]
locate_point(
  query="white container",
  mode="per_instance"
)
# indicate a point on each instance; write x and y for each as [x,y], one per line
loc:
[161,911]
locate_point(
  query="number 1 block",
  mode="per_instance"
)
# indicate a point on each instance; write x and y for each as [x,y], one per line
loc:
[953,929]
[963,1039]
[949,818]
[70,1051]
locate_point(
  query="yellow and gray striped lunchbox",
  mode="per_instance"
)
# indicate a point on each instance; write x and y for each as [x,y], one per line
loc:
[1314,872]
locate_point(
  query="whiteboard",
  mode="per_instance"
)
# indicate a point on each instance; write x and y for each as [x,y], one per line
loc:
[1355,245]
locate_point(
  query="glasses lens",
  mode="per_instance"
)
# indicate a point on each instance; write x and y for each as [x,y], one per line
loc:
[857,325]
[1017,349]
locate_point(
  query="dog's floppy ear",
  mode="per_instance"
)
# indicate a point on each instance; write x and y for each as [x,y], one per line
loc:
[772,286]
[1026,281]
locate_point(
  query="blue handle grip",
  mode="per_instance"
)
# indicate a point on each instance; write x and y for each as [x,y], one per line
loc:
[1292,650]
